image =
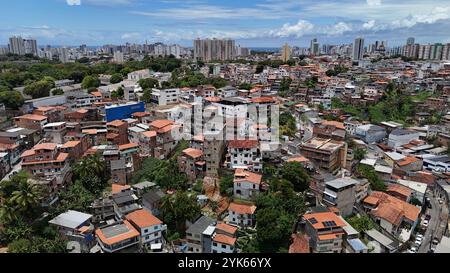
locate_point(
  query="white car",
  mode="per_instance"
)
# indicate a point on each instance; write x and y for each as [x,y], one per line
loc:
[425,223]
[413,249]
[418,242]
[419,236]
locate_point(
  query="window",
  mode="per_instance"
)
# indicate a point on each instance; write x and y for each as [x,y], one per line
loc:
[224,246]
[214,244]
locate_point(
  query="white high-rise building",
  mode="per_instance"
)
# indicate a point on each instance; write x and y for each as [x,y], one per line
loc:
[215,49]
[118,57]
[63,54]
[358,49]
[410,41]
[16,45]
[30,46]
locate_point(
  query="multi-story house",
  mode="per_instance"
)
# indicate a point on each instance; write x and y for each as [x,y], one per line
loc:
[46,159]
[242,215]
[370,133]
[325,153]
[341,193]
[245,154]
[55,132]
[165,96]
[191,163]
[117,132]
[325,230]
[400,137]
[150,228]
[31,121]
[194,234]
[118,236]
[247,185]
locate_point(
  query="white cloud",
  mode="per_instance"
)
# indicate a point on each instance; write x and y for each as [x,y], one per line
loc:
[369,25]
[73,2]
[374,2]
[301,28]
[337,29]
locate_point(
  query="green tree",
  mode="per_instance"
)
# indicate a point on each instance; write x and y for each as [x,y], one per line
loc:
[245,86]
[91,171]
[296,174]
[359,154]
[116,78]
[38,89]
[90,82]
[57,92]
[226,185]
[75,197]
[179,208]
[26,197]
[369,173]
[148,83]
[273,229]
[11,99]
[361,223]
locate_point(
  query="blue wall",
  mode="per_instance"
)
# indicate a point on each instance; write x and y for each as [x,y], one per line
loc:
[124,111]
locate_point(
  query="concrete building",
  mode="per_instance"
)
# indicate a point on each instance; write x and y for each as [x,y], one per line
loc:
[370,133]
[341,193]
[400,137]
[325,230]
[215,49]
[247,185]
[358,49]
[325,153]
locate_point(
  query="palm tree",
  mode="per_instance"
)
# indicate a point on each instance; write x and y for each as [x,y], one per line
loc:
[26,197]
[8,212]
[89,166]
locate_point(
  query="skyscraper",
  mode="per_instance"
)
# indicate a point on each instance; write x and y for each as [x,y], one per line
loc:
[410,41]
[30,46]
[16,45]
[207,50]
[358,49]
[286,53]
[314,47]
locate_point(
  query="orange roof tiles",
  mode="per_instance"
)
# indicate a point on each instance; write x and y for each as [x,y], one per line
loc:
[116,123]
[399,189]
[300,159]
[388,203]
[246,144]
[338,125]
[161,123]
[263,100]
[322,217]
[330,236]
[142,218]
[224,239]
[407,160]
[70,144]
[141,114]
[132,232]
[194,153]
[33,117]
[116,188]
[128,146]
[45,146]
[149,133]
[226,228]
[168,128]
[242,209]
[241,175]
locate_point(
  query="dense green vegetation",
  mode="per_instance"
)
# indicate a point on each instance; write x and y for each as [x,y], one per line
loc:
[177,209]
[336,71]
[361,223]
[288,124]
[369,173]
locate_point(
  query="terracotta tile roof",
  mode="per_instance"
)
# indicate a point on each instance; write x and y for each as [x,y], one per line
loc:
[330,236]
[317,220]
[407,160]
[226,228]
[116,188]
[400,189]
[128,146]
[224,239]
[168,128]
[300,244]
[149,133]
[338,125]
[131,233]
[96,94]
[71,144]
[241,175]
[33,117]
[245,144]
[45,146]
[194,153]
[242,209]
[141,114]
[161,123]
[263,100]
[142,218]
[112,135]
[116,123]
[200,138]
[388,203]
[371,200]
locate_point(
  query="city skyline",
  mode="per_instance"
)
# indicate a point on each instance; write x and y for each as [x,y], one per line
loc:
[268,23]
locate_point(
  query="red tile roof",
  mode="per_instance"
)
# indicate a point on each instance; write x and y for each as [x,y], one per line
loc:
[194,153]
[143,219]
[241,175]
[224,239]
[245,144]
[242,209]
[317,219]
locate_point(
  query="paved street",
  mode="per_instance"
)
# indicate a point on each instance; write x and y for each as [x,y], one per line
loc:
[16,168]
[437,222]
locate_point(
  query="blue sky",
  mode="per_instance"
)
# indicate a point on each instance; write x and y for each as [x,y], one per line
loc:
[263,23]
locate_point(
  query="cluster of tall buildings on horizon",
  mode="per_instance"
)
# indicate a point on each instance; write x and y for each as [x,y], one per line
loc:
[218,49]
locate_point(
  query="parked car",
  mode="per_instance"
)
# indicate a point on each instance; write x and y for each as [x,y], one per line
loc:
[427,217]
[435,241]
[419,236]
[413,249]
[425,223]
[418,242]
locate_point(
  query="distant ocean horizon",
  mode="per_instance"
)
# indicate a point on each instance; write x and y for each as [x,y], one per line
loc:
[264,49]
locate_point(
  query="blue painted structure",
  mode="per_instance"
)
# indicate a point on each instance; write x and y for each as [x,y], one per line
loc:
[123,111]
